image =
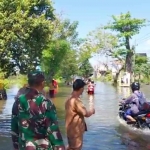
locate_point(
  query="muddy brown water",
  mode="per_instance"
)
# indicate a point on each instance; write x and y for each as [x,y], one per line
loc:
[105,132]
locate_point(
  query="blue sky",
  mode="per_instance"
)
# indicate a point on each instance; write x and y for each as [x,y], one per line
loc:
[93,13]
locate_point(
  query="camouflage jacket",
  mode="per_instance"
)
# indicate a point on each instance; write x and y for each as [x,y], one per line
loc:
[34,124]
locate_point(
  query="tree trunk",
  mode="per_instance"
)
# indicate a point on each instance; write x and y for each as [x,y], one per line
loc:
[116,77]
[48,77]
[139,77]
[129,58]
[115,80]
[128,64]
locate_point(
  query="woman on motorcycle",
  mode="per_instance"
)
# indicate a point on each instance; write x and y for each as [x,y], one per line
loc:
[136,101]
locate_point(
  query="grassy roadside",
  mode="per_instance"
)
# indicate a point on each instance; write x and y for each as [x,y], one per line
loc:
[12,81]
[20,80]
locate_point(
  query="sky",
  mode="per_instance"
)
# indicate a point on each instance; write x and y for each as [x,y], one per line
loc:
[91,14]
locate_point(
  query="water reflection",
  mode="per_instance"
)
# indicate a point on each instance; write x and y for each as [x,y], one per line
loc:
[2,106]
[124,91]
[104,130]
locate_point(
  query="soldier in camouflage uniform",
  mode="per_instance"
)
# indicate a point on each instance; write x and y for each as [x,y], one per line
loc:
[34,124]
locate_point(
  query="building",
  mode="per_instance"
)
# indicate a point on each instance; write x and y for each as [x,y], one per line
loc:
[141,54]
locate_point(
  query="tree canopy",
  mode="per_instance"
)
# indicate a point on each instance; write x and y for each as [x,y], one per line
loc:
[126,27]
[25,28]
[32,35]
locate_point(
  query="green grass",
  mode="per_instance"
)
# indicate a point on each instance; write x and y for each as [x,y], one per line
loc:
[13,80]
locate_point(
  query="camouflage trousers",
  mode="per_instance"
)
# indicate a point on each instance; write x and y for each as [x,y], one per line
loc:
[35,145]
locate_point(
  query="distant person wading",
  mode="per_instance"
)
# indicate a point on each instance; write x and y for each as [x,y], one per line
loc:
[52,88]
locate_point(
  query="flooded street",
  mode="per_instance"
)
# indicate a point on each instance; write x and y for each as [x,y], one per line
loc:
[104,130]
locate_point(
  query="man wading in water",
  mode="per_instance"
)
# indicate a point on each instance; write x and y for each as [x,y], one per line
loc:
[34,123]
[75,113]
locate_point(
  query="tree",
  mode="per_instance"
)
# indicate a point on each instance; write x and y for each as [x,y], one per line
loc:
[139,60]
[68,31]
[100,42]
[69,65]
[86,69]
[62,42]
[145,69]
[120,55]
[127,28]
[141,66]
[53,56]
[25,27]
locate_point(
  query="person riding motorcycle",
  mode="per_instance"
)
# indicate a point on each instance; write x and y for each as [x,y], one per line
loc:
[136,102]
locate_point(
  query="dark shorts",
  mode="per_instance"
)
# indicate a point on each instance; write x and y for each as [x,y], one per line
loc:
[52,93]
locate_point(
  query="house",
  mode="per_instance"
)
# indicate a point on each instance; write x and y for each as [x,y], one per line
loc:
[141,54]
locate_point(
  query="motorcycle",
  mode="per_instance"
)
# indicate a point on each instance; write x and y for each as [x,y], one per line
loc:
[142,118]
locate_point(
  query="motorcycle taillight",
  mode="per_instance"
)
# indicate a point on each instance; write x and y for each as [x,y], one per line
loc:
[148,115]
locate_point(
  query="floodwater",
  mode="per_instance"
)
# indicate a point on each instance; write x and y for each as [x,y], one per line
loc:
[105,130]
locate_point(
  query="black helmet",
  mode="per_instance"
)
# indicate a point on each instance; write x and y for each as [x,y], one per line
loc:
[135,86]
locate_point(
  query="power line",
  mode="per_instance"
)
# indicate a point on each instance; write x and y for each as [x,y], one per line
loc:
[145,36]
[144,40]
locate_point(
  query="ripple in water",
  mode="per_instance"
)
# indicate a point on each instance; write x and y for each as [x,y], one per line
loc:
[5,108]
[135,138]
[13,91]
[145,132]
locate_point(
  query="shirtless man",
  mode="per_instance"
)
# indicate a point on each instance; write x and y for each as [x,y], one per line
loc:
[75,113]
